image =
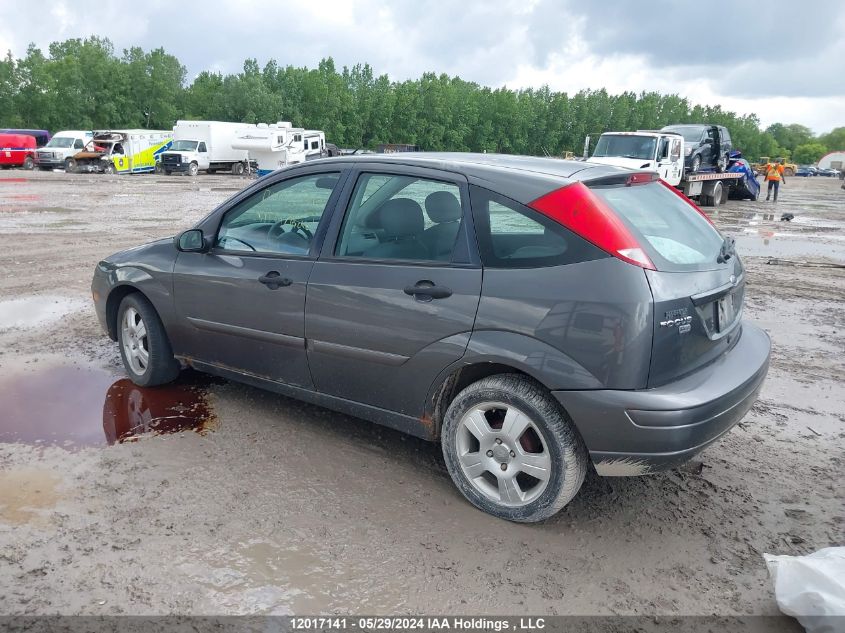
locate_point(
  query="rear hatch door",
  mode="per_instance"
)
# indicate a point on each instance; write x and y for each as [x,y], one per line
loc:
[698,283]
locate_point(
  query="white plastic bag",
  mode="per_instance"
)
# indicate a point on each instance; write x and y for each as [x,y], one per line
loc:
[811,588]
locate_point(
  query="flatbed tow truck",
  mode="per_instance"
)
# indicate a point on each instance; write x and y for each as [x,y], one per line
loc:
[663,152]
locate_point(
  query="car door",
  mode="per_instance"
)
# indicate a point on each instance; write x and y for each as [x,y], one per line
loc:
[392,299]
[241,304]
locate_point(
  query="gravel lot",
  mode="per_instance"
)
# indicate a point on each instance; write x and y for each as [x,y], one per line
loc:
[281,507]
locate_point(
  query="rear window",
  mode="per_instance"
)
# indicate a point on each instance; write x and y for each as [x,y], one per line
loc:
[673,234]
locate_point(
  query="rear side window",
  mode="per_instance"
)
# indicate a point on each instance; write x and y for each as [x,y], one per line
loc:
[673,234]
[510,235]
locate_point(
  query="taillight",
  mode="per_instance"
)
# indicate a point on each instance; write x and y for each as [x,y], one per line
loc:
[678,193]
[584,213]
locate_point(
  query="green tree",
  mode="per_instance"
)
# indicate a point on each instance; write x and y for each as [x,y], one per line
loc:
[809,153]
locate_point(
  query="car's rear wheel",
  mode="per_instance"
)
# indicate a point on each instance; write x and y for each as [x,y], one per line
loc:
[238,169]
[511,450]
[144,347]
[28,162]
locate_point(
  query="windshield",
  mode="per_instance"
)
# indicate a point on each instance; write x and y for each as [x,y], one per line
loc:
[185,146]
[677,237]
[691,133]
[60,141]
[641,147]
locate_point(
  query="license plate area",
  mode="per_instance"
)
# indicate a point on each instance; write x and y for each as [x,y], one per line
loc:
[725,312]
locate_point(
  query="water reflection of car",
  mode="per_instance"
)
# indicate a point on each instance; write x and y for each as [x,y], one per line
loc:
[747,188]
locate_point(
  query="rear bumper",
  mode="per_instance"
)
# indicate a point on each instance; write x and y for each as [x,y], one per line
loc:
[638,432]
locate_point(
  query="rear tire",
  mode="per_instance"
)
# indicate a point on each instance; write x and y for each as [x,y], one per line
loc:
[28,163]
[501,431]
[109,169]
[144,346]
[788,171]
[238,169]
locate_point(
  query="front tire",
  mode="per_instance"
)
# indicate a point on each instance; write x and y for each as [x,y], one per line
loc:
[144,346]
[70,165]
[511,450]
[193,169]
[696,164]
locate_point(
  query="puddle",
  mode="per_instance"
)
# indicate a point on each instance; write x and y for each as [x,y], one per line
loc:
[53,403]
[27,495]
[28,312]
[767,243]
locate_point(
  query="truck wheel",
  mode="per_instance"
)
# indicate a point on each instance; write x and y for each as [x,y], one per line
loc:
[696,163]
[28,162]
[238,169]
[788,171]
[511,450]
[193,169]
[70,165]
[109,169]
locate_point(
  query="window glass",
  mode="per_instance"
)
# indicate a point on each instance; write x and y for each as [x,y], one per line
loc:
[78,144]
[511,235]
[315,144]
[201,148]
[676,236]
[281,218]
[401,217]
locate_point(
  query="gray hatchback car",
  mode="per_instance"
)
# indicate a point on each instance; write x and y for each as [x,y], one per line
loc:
[533,315]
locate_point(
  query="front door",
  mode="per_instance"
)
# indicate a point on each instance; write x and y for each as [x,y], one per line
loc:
[241,305]
[392,300]
[670,161]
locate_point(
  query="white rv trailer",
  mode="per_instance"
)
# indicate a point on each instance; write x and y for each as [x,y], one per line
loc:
[280,144]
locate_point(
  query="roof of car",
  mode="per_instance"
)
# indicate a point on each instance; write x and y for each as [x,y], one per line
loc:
[469,163]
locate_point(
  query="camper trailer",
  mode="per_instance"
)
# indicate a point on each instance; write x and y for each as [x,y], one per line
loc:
[280,144]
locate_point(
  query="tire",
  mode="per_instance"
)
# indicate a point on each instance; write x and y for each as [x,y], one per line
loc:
[70,165]
[193,169]
[696,163]
[147,357]
[238,169]
[28,163]
[561,461]
[109,169]
[788,171]
[722,163]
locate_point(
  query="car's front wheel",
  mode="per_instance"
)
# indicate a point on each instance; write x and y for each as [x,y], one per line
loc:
[144,347]
[511,450]
[696,163]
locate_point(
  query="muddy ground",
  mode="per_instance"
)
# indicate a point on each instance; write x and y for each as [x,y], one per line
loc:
[282,507]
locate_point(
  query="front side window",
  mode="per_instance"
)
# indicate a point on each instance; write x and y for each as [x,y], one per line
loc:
[280,219]
[510,235]
[202,148]
[401,217]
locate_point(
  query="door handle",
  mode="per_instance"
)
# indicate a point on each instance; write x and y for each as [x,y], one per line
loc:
[273,280]
[426,291]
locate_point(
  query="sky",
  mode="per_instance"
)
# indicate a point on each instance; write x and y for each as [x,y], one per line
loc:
[780,59]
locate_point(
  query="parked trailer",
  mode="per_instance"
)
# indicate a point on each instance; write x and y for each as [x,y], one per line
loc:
[205,146]
[279,144]
[17,150]
[123,151]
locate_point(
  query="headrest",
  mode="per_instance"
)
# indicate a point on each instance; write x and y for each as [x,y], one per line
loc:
[442,206]
[401,217]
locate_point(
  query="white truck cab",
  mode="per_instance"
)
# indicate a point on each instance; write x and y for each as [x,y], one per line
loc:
[59,152]
[662,152]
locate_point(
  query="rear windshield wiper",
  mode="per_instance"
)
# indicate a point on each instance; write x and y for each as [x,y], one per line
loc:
[727,250]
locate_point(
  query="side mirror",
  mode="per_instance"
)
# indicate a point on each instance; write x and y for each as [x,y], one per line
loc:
[192,241]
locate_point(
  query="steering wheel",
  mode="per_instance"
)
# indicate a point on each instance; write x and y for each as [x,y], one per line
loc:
[298,228]
[277,230]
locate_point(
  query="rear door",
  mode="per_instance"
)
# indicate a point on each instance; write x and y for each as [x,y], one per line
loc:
[242,304]
[698,287]
[392,299]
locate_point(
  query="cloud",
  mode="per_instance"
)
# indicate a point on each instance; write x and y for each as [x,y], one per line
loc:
[746,56]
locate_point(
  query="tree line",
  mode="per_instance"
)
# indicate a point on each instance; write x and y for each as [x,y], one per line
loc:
[84,84]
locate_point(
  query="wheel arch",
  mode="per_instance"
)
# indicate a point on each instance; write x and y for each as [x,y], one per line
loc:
[493,352]
[116,295]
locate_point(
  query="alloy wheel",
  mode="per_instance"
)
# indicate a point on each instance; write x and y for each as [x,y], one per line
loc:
[502,453]
[136,346]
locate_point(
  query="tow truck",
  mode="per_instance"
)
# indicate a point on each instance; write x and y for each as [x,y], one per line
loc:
[663,152]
